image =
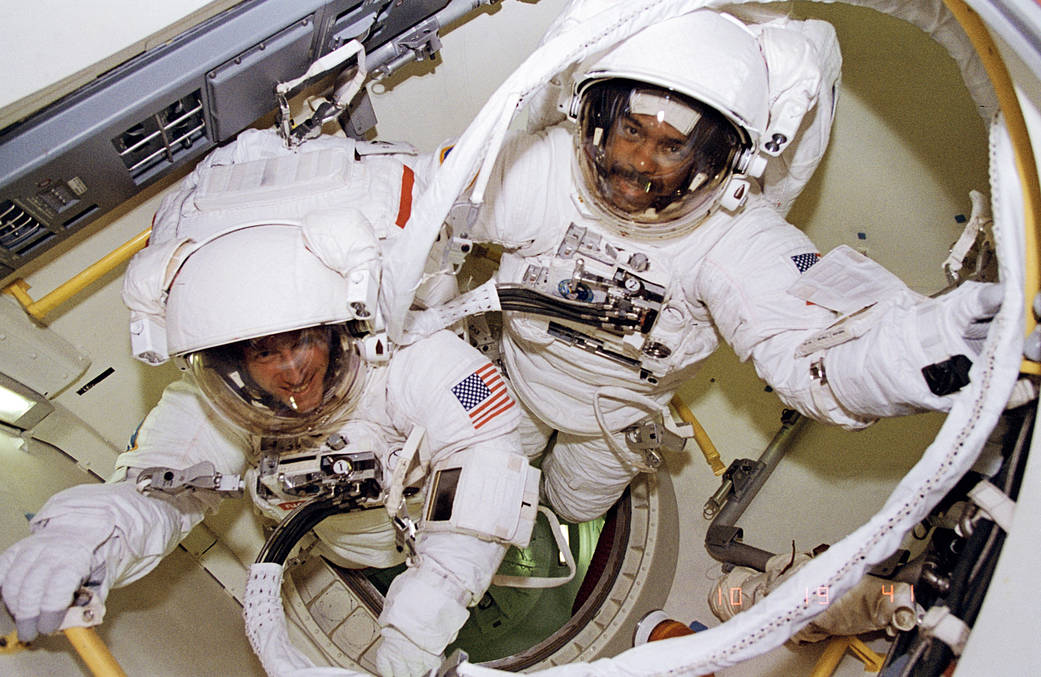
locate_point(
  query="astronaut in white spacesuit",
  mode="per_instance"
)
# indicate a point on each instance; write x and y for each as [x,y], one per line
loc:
[261,279]
[636,236]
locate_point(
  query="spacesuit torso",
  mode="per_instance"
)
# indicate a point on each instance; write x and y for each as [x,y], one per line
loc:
[727,275]
[409,391]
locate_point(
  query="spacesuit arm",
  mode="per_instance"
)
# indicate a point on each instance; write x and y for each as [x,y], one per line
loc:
[99,535]
[131,532]
[109,535]
[471,438]
[840,339]
[915,354]
[427,604]
[514,209]
[744,283]
[179,432]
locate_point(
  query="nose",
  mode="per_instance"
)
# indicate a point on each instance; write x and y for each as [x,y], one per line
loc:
[643,158]
[292,366]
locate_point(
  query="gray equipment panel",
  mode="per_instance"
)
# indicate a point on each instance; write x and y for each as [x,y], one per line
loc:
[80,157]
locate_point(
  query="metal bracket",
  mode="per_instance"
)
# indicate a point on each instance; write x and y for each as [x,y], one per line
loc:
[87,610]
[404,532]
[722,535]
[741,474]
[199,476]
[455,252]
[653,436]
[421,43]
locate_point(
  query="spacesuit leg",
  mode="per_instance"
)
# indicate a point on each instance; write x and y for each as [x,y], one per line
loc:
[534,434]
[583,477]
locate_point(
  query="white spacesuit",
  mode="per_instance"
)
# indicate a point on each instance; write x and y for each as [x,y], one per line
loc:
[635,241]
[261,279]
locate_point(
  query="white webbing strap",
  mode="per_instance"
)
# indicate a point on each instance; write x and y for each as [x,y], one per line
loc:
[394,504]
[940,623]
[543,581]
[994,503]
[423,323]
[326,63]
[342,96]
[978,220]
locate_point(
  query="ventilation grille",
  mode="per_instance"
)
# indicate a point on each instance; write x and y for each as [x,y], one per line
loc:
[161,139]
[19,230]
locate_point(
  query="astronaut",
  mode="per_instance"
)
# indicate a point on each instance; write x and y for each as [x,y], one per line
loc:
[635,235]
[260,281]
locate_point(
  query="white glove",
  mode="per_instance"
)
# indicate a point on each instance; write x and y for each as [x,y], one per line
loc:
[916,355]
[969,310]
[397,656]
[952,331]
[422,612]
[426,605]
[40,575]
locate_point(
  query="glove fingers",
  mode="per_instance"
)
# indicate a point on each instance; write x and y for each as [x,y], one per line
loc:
[50,621]
[26,628]
[22,586]
[970,310]
[990,299]
[60,591]
[978,301]
[39,586]
[976,331]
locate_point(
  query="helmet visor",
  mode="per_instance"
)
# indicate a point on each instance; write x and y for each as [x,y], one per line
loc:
[293,383]
[652,157]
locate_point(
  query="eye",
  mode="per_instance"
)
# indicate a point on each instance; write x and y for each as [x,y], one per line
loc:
[674,149]
[630,131]
[263,355]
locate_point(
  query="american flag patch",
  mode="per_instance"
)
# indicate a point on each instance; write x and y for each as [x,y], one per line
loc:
[805,261]
[483,395]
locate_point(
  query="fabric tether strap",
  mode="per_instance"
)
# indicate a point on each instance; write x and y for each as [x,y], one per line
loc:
[994,503]
[543,581]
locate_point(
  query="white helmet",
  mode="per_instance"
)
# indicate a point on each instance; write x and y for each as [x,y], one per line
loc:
[267,330]
[690,93]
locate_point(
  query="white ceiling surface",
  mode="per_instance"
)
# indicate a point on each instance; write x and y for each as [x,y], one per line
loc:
[46,57]
[892,173]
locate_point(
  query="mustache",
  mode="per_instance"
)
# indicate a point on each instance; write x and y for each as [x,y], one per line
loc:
[648,183]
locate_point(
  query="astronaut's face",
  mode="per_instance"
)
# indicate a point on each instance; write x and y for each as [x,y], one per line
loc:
[646,159]
[291,366]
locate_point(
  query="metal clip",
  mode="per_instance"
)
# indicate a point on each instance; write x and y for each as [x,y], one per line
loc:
[455,252]
[423,42]
[404,531]
[199,476]
[652,436]
[87,610]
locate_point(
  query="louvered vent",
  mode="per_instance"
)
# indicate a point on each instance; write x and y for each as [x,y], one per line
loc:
[19,230]
[161,139]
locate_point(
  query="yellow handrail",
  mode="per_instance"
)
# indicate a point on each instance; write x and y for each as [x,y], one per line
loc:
[85,641]
[39,309]
[1026,164]
[94,652]
[700,436]
[836,650]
